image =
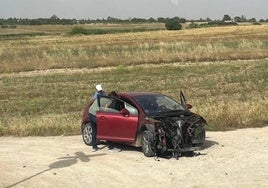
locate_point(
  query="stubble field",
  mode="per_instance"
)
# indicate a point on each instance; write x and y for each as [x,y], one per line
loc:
[46,80]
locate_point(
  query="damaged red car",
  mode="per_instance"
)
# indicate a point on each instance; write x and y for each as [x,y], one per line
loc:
[155,122]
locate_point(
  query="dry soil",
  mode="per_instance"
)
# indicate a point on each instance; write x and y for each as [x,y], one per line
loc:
[229,159]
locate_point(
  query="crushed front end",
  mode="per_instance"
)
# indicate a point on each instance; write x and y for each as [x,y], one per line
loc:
[179,132]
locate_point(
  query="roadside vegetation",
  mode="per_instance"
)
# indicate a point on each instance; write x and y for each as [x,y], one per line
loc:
[46,80]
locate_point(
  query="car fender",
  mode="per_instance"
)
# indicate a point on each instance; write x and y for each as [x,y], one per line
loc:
[148,127]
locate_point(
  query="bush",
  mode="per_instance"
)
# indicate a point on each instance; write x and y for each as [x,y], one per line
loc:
[12,26]
[193,25]
[173,24]
[4,26]
[256,23]
[78,30]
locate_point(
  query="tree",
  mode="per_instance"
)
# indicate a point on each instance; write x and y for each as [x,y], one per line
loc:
[252,20]
[161,19]
[243,18]
[151,20]
[54,17]
[226,17]
[35,22]
[237,19]
[209,20]
[173,24]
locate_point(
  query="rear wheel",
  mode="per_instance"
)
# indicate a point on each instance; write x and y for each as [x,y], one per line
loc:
[148,143]
[87,134]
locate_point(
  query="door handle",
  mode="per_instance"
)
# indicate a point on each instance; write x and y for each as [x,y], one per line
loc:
[102,117]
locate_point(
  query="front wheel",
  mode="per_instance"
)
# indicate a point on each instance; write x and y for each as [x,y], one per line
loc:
[148,143]
[87,134]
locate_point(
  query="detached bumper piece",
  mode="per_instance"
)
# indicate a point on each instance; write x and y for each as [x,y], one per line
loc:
[181,150]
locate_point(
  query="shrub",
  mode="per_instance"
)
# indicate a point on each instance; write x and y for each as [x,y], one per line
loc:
[78,30]
[4,26]
[173,24]
[256,23]
[193,25]
[12,26]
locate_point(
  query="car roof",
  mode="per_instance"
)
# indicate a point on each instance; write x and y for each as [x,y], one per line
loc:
[133,94]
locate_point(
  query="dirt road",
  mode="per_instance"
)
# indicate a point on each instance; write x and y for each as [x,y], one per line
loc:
[229,159]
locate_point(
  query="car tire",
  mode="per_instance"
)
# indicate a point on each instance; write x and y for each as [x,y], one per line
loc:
[148,143]
[87,134]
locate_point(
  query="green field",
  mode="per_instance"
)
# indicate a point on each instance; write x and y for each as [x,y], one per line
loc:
[46,80]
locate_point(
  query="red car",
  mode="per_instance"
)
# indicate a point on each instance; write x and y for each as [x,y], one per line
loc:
[155,122]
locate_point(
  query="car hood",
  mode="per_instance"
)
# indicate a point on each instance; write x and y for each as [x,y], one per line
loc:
[171,113]
[186,115]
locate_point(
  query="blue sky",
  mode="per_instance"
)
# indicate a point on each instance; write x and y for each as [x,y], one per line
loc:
[92,9]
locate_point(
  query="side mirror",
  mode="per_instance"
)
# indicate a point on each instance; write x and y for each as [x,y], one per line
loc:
[188,106]
[124,112]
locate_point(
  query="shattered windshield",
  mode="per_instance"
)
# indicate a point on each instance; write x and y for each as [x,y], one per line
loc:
[157,103]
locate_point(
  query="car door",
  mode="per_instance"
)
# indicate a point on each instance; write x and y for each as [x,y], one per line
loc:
[116,120]
[183,100]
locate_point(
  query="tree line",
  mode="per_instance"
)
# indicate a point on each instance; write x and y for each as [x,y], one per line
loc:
[56,20]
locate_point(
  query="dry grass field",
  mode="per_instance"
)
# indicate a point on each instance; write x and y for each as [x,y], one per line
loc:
[45,80]
[64,51]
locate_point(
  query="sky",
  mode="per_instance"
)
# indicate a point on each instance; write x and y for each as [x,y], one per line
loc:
[124,9]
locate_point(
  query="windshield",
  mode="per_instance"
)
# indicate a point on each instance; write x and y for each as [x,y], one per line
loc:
[157,103]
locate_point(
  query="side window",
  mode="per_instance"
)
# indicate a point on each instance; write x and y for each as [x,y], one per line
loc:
[132,110]
[104,101]
[108,104]
[130,107]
